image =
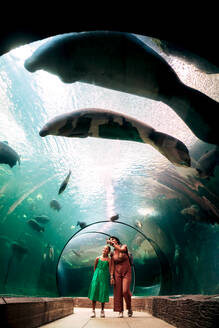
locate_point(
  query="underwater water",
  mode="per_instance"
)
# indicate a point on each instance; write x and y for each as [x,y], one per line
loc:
[168,216]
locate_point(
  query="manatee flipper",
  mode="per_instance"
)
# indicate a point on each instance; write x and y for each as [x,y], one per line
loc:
[196,109]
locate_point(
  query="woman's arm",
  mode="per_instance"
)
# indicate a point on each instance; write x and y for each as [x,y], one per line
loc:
[121,248]
[111,267]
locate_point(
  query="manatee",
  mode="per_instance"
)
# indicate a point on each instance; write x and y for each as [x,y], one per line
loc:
[8,155]
[207,163]
[64,183]
[102,123]
[120,61]
[55,205]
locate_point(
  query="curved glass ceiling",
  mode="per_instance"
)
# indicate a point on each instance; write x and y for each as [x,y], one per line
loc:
[171,205]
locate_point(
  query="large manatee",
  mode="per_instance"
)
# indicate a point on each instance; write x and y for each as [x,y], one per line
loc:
[8,155]
[120,61]
[102,123]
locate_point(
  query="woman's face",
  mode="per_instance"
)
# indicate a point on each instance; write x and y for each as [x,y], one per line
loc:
[105,250]
[114,240]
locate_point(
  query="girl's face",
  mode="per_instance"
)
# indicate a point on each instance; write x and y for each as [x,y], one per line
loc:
[105,251]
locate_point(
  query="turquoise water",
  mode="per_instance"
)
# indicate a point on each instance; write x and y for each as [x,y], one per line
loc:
[173,253]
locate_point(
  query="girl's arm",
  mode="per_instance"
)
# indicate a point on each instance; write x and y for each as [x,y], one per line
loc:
[95,263]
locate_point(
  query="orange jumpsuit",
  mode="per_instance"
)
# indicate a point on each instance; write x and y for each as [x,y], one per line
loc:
[123,277]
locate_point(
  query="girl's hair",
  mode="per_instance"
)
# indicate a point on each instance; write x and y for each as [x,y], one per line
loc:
[117,239]
[109,249]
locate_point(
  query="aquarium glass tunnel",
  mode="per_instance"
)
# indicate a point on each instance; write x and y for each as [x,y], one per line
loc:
[168,215]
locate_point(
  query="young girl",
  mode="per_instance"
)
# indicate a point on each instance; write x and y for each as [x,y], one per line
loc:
[99,287]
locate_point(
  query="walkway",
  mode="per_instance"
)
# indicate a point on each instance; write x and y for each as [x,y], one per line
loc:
[81,319]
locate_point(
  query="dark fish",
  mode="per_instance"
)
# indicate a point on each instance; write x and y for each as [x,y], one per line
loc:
[114,217]
[81,224]
[35,225]
[8,155]
[42,219]
[207,163]
[55,205]
[76,253]
[19,249]
[120,61]
[64,183]
[108,124]
[18,253]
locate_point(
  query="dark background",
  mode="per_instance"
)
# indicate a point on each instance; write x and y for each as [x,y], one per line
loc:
[194,28]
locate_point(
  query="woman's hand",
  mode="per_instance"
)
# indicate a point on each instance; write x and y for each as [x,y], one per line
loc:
[112,281]
[108,241]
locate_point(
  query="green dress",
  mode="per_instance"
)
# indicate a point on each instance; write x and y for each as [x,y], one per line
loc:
[99,287]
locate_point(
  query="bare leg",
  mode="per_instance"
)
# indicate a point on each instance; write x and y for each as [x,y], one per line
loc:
[93,305]
[102,314]
[93,315]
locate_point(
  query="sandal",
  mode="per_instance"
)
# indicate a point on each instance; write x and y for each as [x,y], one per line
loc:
[93,315]
[130,313]
[102,314]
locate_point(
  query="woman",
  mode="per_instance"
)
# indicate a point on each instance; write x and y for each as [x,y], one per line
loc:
[121,276]
[99,287]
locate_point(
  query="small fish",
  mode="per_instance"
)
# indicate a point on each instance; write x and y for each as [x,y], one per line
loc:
[193,210]
[114,217]
[35,225]
[64,183]
[8,155]
[50,251]
[81,224]
[55,205]
[42,219]
[138,224]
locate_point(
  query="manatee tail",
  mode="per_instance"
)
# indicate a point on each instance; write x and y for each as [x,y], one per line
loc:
[197,110]
[172,148]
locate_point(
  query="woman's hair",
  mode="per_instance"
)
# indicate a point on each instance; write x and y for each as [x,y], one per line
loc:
[117,239]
